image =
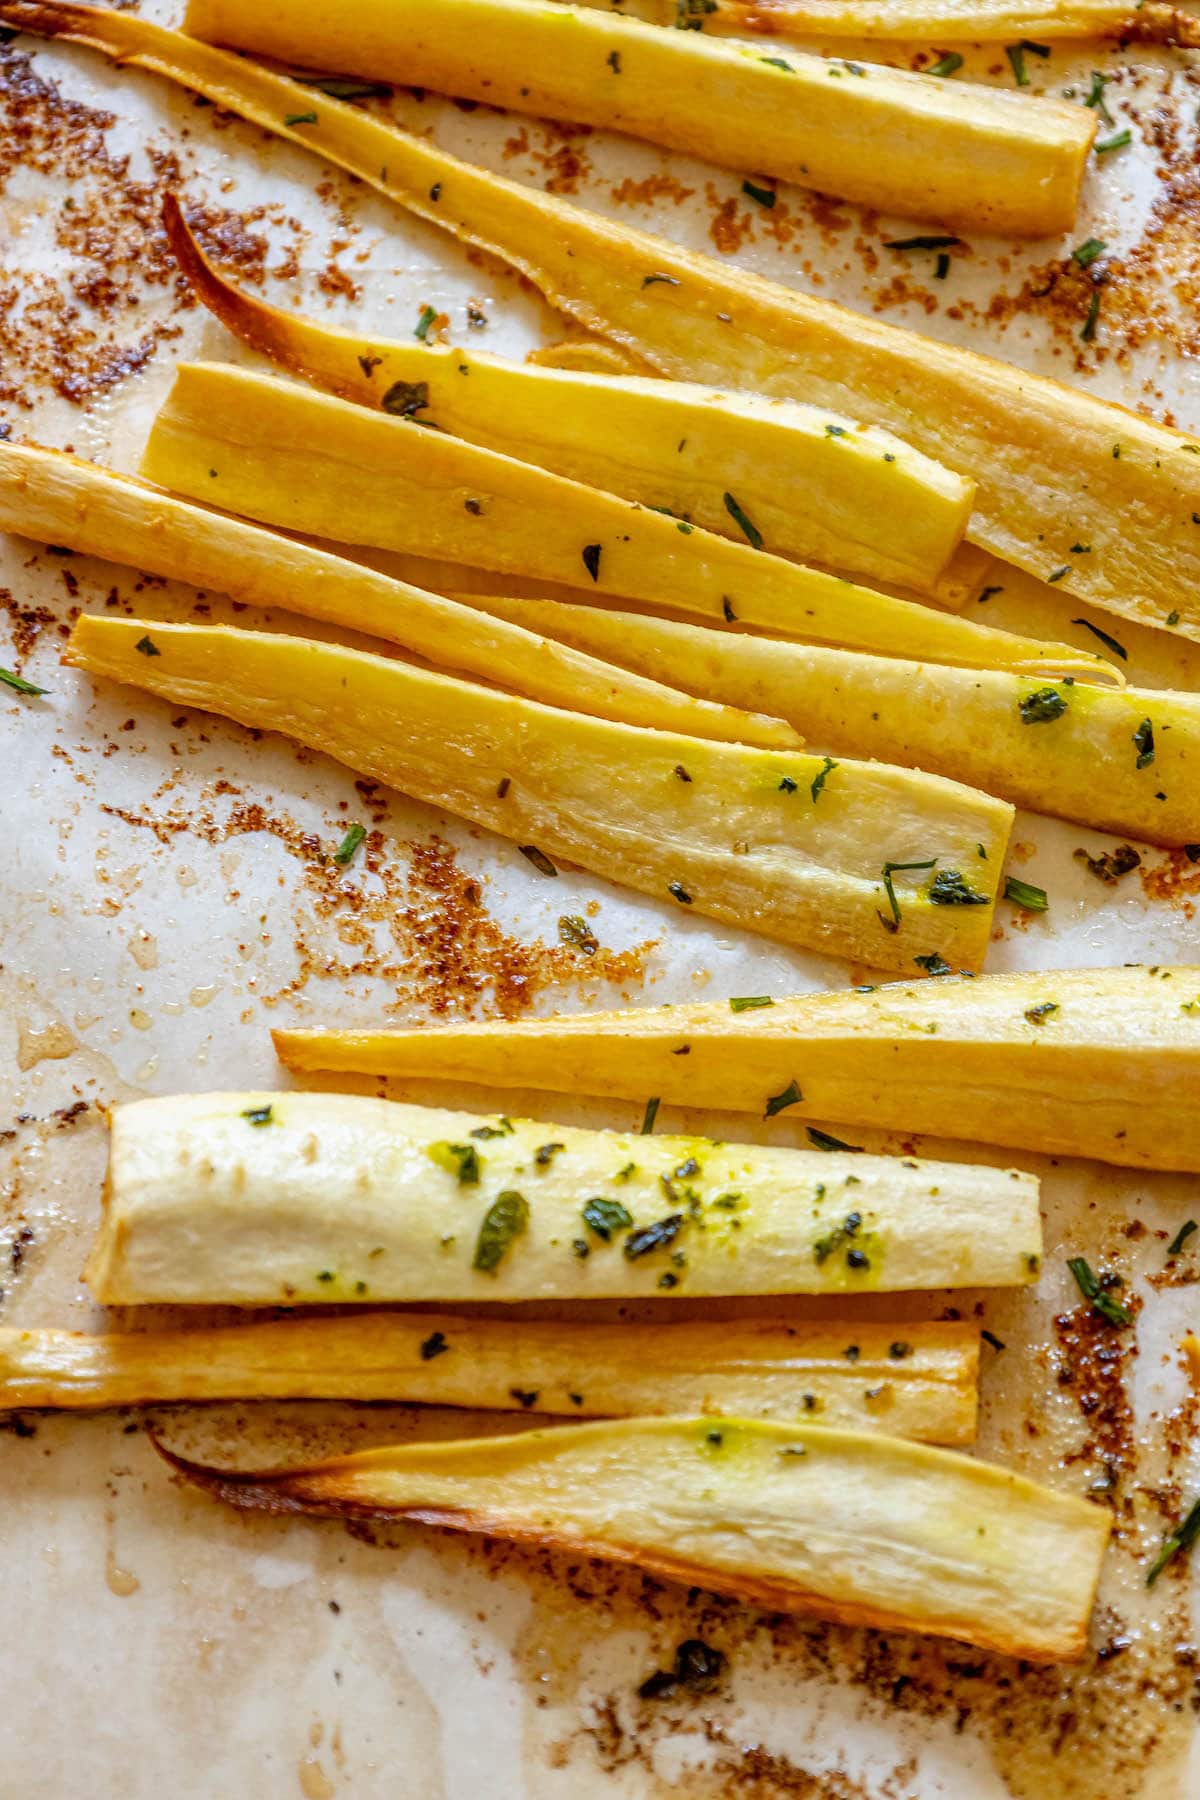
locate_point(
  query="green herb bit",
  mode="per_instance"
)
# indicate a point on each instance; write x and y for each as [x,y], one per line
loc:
[460,1160]
[421,330]
[345,87]
[545,1154]
[949,887]
[745,525]
[1087,330]
[326,1275]
[613,61]
[690,14]
[1182,1538]
[344,853]
[777,62]
[933,964]
[503,1222]
[538,858]
[406,398]
[1016,58]
[940,271]
[1037,1015]
[1100,1299]
[824,1140]
[653,1237]
[591,559]
[989,1337]
[949,64]
[649,1116]
[821,777]
[1143,739]
[895,868]
[788,785]
[924,241]
[1173,616]
[435,1345]
[257,1115]
[1042,706]
[1181,1237]
[1117,141]
[748,1002]
[1110,643]
[763,196]
[1086,253]
[836,431]
[147,647]
[678,892]
[19,685]
[604,1217]
[574,930]
[824,1247]
[308,118]
[670,280]
[502,1128]
[777,1103]
[1111,865]
[1096,97]
[1023,893]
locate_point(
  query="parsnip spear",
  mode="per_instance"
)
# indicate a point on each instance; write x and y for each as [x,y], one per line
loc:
[1076,752]
[1102,1063]
[283,454]
[767,840]
[941,21]
[818,487]
[977,158]
[863,1529]
[258,1199]
[913,1380]
[1055,468]
[61,499]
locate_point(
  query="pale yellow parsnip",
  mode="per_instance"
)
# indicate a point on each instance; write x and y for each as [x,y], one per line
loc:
[973,157]
[943,21]
[853,1526]
[1101,1063]
[740,836]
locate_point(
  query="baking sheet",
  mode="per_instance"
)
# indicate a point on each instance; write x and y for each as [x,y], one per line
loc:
[165,904]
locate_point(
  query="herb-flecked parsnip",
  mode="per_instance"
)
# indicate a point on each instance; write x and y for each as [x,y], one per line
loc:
[258,1199]
[817,487]
[942,21]
[59,499]
[1055,747]
[914,1379]
[1102,1063]
[765,839]
[289,456]
[1056,468]
[854,1526]
[977,158]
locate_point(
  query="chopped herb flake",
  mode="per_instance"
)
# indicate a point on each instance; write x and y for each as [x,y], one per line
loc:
[461,1160]
[591,559]
[308,118]
[435,1344]
[749,1002]
[1042,706]
[257,1115]
[1086,253]
[574,930]
[505,1219]
[606,1216]
[1096,97]
[1111,865]
[821,777]
[1181,1237]
[745,525]
[1023,893]
[925,241]
[764,196]
[649,1116]
[949,64]
[421,329]
[1101,1300]
[777,1103]
[1037,1015]
[1143,739]
[989,1337]
[823,1140]
[670,280]
[653,1237]
[933,964]
[894,868]
[404,399]
[344,854]
[545,1154]
[678,892]
[1087,330]
[1182,1538]
[19,685]
[538,858]
[345,87]
[1110,643]
[147,647]
[1117,141]
[503,1128]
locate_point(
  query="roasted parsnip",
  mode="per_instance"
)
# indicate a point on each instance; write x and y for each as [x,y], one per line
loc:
[270,449]
[60,499]
[1073,751]
[765,839]
[977,158]
[912,1380]
[940,21]
[1055,467]
[819,488]
[1084,1062]
[854,1526]
[257,1199]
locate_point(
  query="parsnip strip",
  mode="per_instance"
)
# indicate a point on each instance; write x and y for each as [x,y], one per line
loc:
[818,488]
[854,1526]
[1068,750]
[973,157]
[1042,454]
[944,21]
[257,1199]
[747,835]
[287,456]
[60,499]
[1101,1063]
[913,1380]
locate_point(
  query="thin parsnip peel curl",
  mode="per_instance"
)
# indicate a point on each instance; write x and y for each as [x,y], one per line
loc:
[852,1526]
[1054,467]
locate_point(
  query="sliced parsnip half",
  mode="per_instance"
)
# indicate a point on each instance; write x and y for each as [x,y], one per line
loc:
[60,499]
[1055,467]
[309,462]
[940,21]
[1086,1062]
[978,158]
[854,1526]
[1073,751]
[913,1380]
[257,1199]
[817,487]
[763,839]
